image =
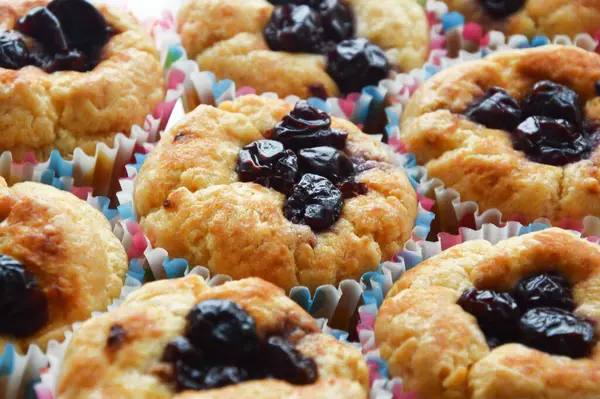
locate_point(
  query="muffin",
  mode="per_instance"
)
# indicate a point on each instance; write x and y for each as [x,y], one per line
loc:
[180,338]
[518,319]
[258,188]
[517,131]
[73,75]
[307,48]
[59,262]
[532,17]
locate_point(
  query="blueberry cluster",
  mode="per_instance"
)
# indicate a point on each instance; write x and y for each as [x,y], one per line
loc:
[327,27]
[221,347]
[549,125]
[23,305]
[537,313]
[64,35]
[303,158]
[499,9]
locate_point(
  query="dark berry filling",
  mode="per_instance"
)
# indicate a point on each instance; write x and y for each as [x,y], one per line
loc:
[221,347]
[23,305]
[537,313]
[304,160]
[327,27]
[499,9]
[65,35]
[549,125]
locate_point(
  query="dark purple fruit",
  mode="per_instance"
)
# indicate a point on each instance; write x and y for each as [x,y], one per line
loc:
[42,25]
[357,63]
[221,376]
[550,141]
[222,329]
[337,19]
[74,60]
[502,8]
[284,362]
[555,101]
[295,29]
[497,313]
[13,51]
[180,349]
[266,162]
[305,127]
[315,202]
[597,87]
[351,188]
[495,110]
[83,25]
[188,377]
[327,162]
[23,305]
[557,331]
[544,290]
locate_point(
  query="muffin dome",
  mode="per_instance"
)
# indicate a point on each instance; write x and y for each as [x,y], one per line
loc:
[161,315]
[436,340]
[192,202]
[59,263]
[506,167]
[64,110]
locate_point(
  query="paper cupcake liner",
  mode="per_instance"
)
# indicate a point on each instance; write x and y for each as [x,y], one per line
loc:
[378,284]
[451,211]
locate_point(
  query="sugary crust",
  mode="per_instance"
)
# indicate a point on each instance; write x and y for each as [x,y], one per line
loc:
[238,229]
[226,38]
[70,248]
[64,110]
[439,350]
[481,163]
[538,17]
[156,314]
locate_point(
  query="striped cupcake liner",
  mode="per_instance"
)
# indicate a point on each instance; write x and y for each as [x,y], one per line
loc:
[376,287]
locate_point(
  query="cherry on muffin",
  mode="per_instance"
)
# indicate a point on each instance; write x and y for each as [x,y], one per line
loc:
[499,9]
[328,27]
[548,126]
[64,35]
[221,347]
[23,304]
[537,313]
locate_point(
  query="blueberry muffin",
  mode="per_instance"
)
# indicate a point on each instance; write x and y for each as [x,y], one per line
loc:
[73,75]
[517,131]
[532,17]
[59,262]
[514,320]
[304,47]
[258,188]
[181,339]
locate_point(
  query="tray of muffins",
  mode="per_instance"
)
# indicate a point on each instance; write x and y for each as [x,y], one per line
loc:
[394,199]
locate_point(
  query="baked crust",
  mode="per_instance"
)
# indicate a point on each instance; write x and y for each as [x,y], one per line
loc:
[41,112]
[155,314]
[238,229]
[226,38]
[538,17]
[70,248]
[438,348]
[481,163]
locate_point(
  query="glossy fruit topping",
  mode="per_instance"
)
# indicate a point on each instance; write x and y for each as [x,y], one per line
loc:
[223,329]
[496,110]
[221,347]
[497,313]
[328,162]
[502,8]
[315,202]
[23,304]
[555,101]
[305,127]
[550,141]
[337,19]
[351,188]
[266,162]
[544,290]
[357,63]
[295,29]
[14,53]
[557,331]
[42,25]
